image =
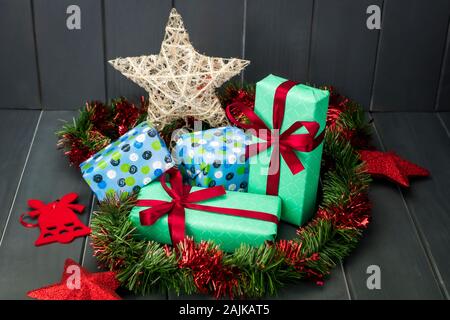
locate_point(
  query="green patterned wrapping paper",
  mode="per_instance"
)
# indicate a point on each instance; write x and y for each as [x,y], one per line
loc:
[225,230]
[297,192]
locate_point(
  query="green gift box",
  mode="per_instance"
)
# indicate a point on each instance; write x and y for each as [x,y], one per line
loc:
[225,229]
[301,103]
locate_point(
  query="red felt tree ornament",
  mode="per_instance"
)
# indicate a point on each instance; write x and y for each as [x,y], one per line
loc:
[57,220]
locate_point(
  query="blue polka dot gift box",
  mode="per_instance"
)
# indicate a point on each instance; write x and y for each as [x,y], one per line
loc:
[214,157]
[126,165]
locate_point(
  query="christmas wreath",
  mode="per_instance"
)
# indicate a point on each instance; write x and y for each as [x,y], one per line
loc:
[145,266]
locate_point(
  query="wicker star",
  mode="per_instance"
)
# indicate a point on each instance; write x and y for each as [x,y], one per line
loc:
[180,81]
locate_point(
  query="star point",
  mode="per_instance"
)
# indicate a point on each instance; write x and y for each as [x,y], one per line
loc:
[391,166]
[92,286]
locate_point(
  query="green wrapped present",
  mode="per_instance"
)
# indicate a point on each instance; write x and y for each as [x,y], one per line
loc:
[167,213]
[287,127]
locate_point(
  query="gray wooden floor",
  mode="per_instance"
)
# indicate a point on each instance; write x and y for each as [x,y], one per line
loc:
[409,237]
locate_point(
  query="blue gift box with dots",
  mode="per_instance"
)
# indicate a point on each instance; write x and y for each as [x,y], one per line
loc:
[214,157]
[126,165]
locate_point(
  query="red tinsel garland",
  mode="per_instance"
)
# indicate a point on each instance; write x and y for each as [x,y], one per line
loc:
[106,123]
[212,271]
[206,263]
[291,251]
[353,215]
[77,152]
[337,104]
[127,115]
[209,273]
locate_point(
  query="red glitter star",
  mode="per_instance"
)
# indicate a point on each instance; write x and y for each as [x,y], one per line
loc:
[390,166]
[79,284]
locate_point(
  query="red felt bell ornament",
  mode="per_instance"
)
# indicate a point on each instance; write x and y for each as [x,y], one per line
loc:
[57,220]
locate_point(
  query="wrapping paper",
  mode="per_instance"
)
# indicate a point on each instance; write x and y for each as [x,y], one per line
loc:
[126,165]
[297,192]
[214,157]
[225,230]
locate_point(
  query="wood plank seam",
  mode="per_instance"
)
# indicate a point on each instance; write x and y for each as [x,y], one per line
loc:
[447,130]
[377,54]
[443,67]
[244,31]
[314,9]
[419,233]
[426,248]
[86,239]
[347,287]
[105,60]
[38,70]
[21,177]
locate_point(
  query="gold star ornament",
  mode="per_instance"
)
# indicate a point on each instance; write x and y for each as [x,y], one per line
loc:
[180,81]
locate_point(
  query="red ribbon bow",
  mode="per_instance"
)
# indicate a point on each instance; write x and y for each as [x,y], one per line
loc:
[284,143]
[183,198]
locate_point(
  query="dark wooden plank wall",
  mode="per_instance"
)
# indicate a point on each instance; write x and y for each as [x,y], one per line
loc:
[410,55]
[19,85]
[215,27]
[402,67]
[277,38]
[132,28]
[71,62]
[343,50]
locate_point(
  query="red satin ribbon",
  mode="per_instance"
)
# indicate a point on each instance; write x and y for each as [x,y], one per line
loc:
[284,143]
[182,198]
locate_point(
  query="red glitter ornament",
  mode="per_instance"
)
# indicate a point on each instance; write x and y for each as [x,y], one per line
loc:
[57,220]
[79,284]
[390,166]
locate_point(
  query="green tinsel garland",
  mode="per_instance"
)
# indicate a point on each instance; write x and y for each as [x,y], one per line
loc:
[146,266]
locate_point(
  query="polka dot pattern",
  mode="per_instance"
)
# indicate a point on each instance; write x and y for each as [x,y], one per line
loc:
[214,157]
[126,165]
